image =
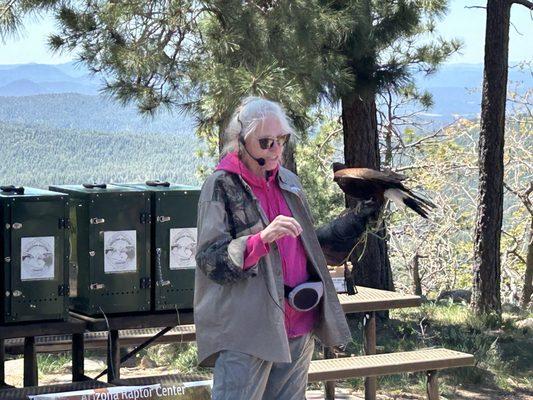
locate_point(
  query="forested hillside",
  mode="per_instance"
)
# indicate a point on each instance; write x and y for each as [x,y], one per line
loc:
[39,156]
[81,112]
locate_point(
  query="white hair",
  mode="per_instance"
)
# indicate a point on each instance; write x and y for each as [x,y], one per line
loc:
[249,116]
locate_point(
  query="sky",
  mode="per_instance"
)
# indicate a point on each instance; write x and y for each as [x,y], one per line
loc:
[462,23]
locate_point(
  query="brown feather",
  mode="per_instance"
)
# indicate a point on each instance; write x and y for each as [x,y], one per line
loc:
[369,174]
[367,183]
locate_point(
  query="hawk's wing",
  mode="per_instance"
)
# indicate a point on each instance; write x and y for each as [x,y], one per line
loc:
[386,178]
[365,183]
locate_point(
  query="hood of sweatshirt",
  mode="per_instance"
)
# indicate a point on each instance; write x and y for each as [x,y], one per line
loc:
[232,163]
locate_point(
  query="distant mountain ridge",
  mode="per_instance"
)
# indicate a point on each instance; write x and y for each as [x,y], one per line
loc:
[455,89]
[26,87]
[73,77]
[38,156]
[90,113]
[466,76]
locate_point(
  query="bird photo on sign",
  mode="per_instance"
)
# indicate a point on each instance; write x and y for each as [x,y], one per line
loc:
[369,184]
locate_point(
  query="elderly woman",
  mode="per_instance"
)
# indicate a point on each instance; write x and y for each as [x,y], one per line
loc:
[262,291]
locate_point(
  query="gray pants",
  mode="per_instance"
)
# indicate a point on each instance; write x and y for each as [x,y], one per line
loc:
[239,376]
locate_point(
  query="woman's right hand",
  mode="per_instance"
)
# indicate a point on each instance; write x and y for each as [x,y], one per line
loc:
[279,227]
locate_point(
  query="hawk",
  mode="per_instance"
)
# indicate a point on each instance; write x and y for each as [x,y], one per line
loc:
[366,183]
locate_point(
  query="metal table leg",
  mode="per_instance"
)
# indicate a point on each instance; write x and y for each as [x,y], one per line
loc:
[3,384]
[329,386]
[2,361]
[78,357]
[113,356]
[432,385]
[369,323]
[30,362]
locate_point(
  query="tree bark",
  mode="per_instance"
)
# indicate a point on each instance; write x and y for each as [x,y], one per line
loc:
[361,149]
[528,277]
[289,159]
[486,268]
[417,283]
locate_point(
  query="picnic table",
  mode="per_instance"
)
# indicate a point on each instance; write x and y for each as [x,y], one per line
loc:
[367,301]
[153,327]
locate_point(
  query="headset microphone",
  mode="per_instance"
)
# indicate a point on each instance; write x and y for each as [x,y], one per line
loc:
[261,161]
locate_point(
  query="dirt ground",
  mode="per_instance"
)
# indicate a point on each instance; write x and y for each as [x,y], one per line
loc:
[14,376]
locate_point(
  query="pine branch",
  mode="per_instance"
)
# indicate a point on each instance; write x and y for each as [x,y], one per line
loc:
[516,30]
[7,7]
[525,3]
[9,19]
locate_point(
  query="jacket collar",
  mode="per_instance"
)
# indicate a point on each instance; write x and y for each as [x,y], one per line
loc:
[287,182]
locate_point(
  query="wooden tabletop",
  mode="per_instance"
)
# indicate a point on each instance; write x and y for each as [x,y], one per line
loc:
[28,329]
[368,299]
[365,300]
[135,321]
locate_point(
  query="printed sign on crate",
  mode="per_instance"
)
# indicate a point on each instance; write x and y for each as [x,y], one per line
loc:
[37,258]
[200,390]
[183,247]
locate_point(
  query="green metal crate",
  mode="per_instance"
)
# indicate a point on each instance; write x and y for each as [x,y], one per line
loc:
[174,214]
[33,251]
[110,241]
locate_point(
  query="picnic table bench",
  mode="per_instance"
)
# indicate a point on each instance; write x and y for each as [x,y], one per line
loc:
[370,366]
[23,393]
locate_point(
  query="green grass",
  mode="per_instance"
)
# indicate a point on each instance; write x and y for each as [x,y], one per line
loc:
[503,353]
[53,363]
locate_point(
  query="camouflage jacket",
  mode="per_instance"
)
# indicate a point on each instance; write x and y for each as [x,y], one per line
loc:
[242,310]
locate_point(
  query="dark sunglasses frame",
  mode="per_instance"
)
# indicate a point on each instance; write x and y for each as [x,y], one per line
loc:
[268,143]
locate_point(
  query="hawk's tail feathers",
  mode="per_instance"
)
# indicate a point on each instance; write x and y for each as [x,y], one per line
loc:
[407,198]
[416,206]
[428,204]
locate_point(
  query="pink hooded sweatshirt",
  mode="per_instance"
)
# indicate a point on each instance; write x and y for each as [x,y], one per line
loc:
[291,250]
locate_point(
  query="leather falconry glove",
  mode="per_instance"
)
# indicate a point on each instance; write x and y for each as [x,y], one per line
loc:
[338,237]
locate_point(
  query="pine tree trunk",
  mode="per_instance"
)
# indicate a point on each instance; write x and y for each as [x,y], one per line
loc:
[289,159]
[486,268]
[528,277]
[361,149]
[417,282]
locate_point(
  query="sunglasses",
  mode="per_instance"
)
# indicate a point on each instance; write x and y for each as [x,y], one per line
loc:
[268,143]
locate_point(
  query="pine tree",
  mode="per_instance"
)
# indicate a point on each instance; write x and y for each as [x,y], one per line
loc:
[205,56]
[486,297]
[13,11]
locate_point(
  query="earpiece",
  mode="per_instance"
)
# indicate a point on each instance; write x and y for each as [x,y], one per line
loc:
[261,161]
